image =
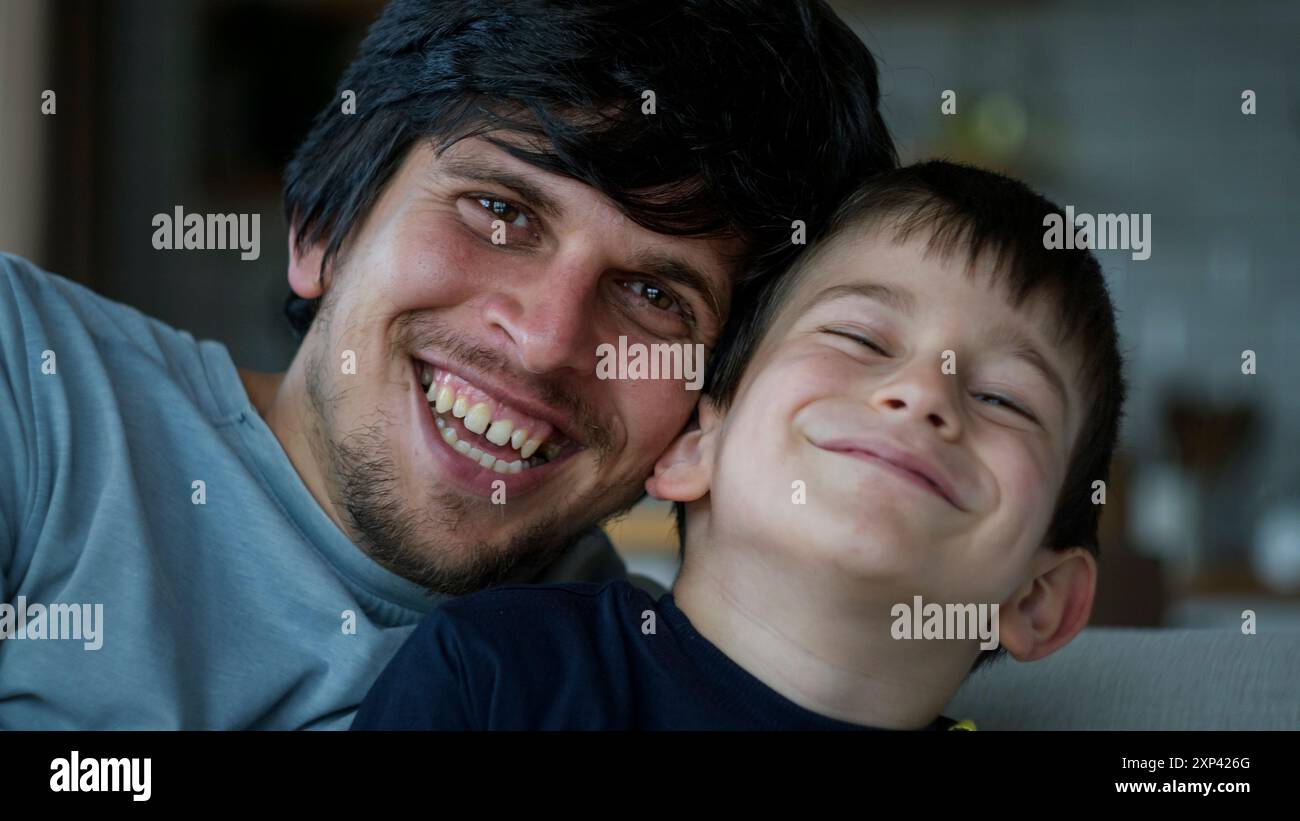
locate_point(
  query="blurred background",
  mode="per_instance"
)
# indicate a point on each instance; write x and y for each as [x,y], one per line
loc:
[1113,107]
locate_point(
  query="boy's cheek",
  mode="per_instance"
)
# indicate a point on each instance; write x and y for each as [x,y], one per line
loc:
[1022,470]
[1026,503]
[762,490]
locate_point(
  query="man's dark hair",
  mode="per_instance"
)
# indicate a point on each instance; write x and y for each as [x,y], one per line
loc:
[967,211]
[765,112]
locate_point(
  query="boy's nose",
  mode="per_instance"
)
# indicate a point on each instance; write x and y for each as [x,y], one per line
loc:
[918,397]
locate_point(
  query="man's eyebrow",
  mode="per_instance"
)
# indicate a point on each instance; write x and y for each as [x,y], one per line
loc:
[896,298]
[486,171]
[1022,347]
[676,270]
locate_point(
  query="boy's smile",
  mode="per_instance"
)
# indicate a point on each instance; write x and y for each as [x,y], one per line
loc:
[883,452]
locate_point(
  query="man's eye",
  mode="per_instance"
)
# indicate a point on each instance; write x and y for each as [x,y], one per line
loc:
[502,210]
[653,294]
[1003,402]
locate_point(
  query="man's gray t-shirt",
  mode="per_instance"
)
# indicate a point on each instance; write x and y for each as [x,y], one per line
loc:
[147,507]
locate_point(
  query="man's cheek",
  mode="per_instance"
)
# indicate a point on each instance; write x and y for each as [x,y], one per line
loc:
[653,414]
[446,267]
[403,268]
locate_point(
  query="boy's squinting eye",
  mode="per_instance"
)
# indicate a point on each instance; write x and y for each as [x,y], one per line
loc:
[1001,401]
[860,338]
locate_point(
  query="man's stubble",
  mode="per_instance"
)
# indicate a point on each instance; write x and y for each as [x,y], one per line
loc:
[362,481]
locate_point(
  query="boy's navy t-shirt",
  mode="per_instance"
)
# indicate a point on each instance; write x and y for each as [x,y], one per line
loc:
[573,657]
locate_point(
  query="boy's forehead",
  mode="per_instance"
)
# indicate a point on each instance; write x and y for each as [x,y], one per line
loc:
[910,277]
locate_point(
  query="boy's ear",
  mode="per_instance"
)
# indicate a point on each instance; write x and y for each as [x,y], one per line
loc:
[305,275]
[683,472]
[1052,607]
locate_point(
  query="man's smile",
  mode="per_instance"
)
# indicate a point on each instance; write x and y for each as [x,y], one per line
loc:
[491,437]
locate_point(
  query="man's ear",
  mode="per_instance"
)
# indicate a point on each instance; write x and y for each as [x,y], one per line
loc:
[305,275]
[683,472]
[1052,607]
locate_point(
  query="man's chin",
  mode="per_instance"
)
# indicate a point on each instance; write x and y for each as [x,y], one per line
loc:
[454,540]
[458,564]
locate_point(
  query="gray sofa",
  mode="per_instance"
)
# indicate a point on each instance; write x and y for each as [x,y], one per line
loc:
[1112,678]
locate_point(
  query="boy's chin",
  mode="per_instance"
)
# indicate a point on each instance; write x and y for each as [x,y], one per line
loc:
[879,551]
[892,524]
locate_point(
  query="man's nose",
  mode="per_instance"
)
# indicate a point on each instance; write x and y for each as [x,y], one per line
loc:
[545,317]
[921,392]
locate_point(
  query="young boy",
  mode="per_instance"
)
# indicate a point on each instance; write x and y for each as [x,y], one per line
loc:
[920,409]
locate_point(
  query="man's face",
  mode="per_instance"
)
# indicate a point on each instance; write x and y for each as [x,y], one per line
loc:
[507,335]
[930,421]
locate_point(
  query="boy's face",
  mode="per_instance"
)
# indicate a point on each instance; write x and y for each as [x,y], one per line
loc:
[929,420]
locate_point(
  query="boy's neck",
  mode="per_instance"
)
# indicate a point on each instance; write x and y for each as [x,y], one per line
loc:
[814,639]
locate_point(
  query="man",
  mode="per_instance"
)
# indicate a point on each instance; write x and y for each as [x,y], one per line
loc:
[520,183]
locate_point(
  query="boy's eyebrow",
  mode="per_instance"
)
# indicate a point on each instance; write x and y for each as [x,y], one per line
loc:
[1022,347]
[897,298]
[487,171]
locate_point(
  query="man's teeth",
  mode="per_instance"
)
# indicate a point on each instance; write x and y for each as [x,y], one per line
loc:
[486,460]
[444,400]
[500,432]
[478,419]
